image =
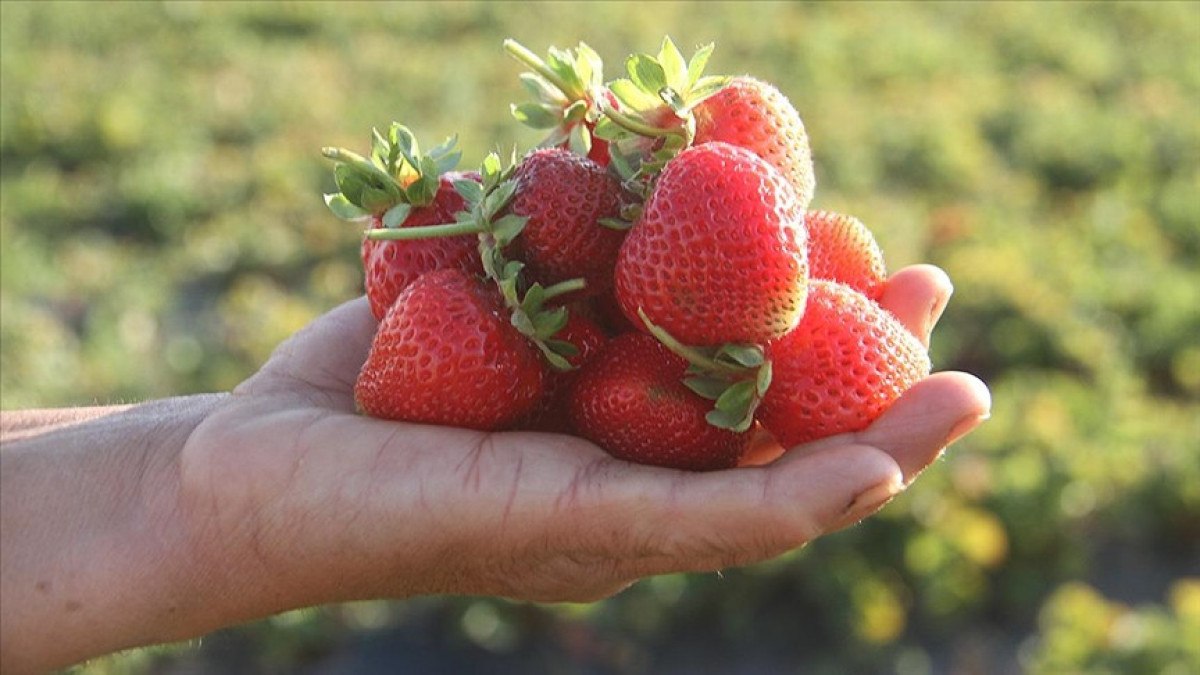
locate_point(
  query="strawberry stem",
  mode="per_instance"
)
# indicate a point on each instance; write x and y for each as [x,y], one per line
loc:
[423,231]
[564,287]
[520,53]
[631,124]
[690,354]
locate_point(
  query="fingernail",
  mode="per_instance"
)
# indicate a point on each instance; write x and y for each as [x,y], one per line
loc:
[871,499]
[964,426]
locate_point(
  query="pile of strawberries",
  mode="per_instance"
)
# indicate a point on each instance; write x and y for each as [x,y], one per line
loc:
[648,279]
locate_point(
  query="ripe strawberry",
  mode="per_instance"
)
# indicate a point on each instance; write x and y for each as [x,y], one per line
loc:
[399,187]
[551,413]
[667,106]
[447,354]
[841,248]
[564,197]
[390,266]
[719,252]
[755,115]
[566,88]
[629,400]
[845,364]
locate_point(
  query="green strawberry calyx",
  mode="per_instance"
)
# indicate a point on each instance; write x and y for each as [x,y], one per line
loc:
[396,178]
[566,88]
[655,120]
[484,214]
[735,376]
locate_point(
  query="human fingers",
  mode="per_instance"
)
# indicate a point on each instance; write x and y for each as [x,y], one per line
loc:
[934,413]
[917,295]
[667,521]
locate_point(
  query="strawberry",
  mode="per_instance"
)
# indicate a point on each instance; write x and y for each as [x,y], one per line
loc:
[719,253]
[566,88]
[399,187]
[667,105]
[845,364]
[391,266]
[565,198]
[446,353]
[755,115]
[551,413]
[629,400]
[841,248]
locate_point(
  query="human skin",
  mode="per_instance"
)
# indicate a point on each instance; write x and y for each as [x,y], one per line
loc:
[133,525]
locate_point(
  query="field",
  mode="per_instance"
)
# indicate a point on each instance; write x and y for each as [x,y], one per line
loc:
[162,230]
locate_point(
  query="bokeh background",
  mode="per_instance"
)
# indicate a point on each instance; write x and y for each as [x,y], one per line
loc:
[162,229]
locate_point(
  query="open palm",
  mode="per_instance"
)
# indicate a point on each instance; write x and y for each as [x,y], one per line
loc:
[335,506]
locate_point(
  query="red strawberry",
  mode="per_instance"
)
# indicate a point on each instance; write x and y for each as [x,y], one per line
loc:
[551,413]
[845,364]
[564,197]
[841,248]
[567,87]
[753,114]
[399,187]
[668,106]
[391,266]
[719,252]
[629,400]
[447,354]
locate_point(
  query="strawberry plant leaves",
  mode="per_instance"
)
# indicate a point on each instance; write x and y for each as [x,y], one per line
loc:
[707,387]
[674,68]
[342,208]
[750,356]
[646,72]
[536,116]
[395,216]
[695,67]
[471,191]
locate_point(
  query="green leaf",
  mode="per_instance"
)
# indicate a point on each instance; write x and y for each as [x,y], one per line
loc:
[673,65]
[548,323]
[747,355]
[536,115]
[555,360]
[704,89]
[646,72]
[562,347]
[342,208]
[541,89]
[497,199]
[376,200]
[396,215]
[406,143]
[511,269]
[737,397]
[725,420]
[534,298]
[696,66]
[589,65]
[491,167]
[633,96]
[580,140]
[710,388]
[520,321]
[576,112]
[762,380]
[470,190]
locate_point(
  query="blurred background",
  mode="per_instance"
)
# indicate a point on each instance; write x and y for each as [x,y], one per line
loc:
[162,229]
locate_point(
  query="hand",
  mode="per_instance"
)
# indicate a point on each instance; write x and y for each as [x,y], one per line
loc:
[301,501]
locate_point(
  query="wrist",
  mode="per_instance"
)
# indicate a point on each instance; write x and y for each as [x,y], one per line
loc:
[95,555]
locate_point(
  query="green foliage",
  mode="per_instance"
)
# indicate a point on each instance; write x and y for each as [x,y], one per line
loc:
[162,230]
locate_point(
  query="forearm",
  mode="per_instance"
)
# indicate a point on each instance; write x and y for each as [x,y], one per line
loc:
[96,555]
